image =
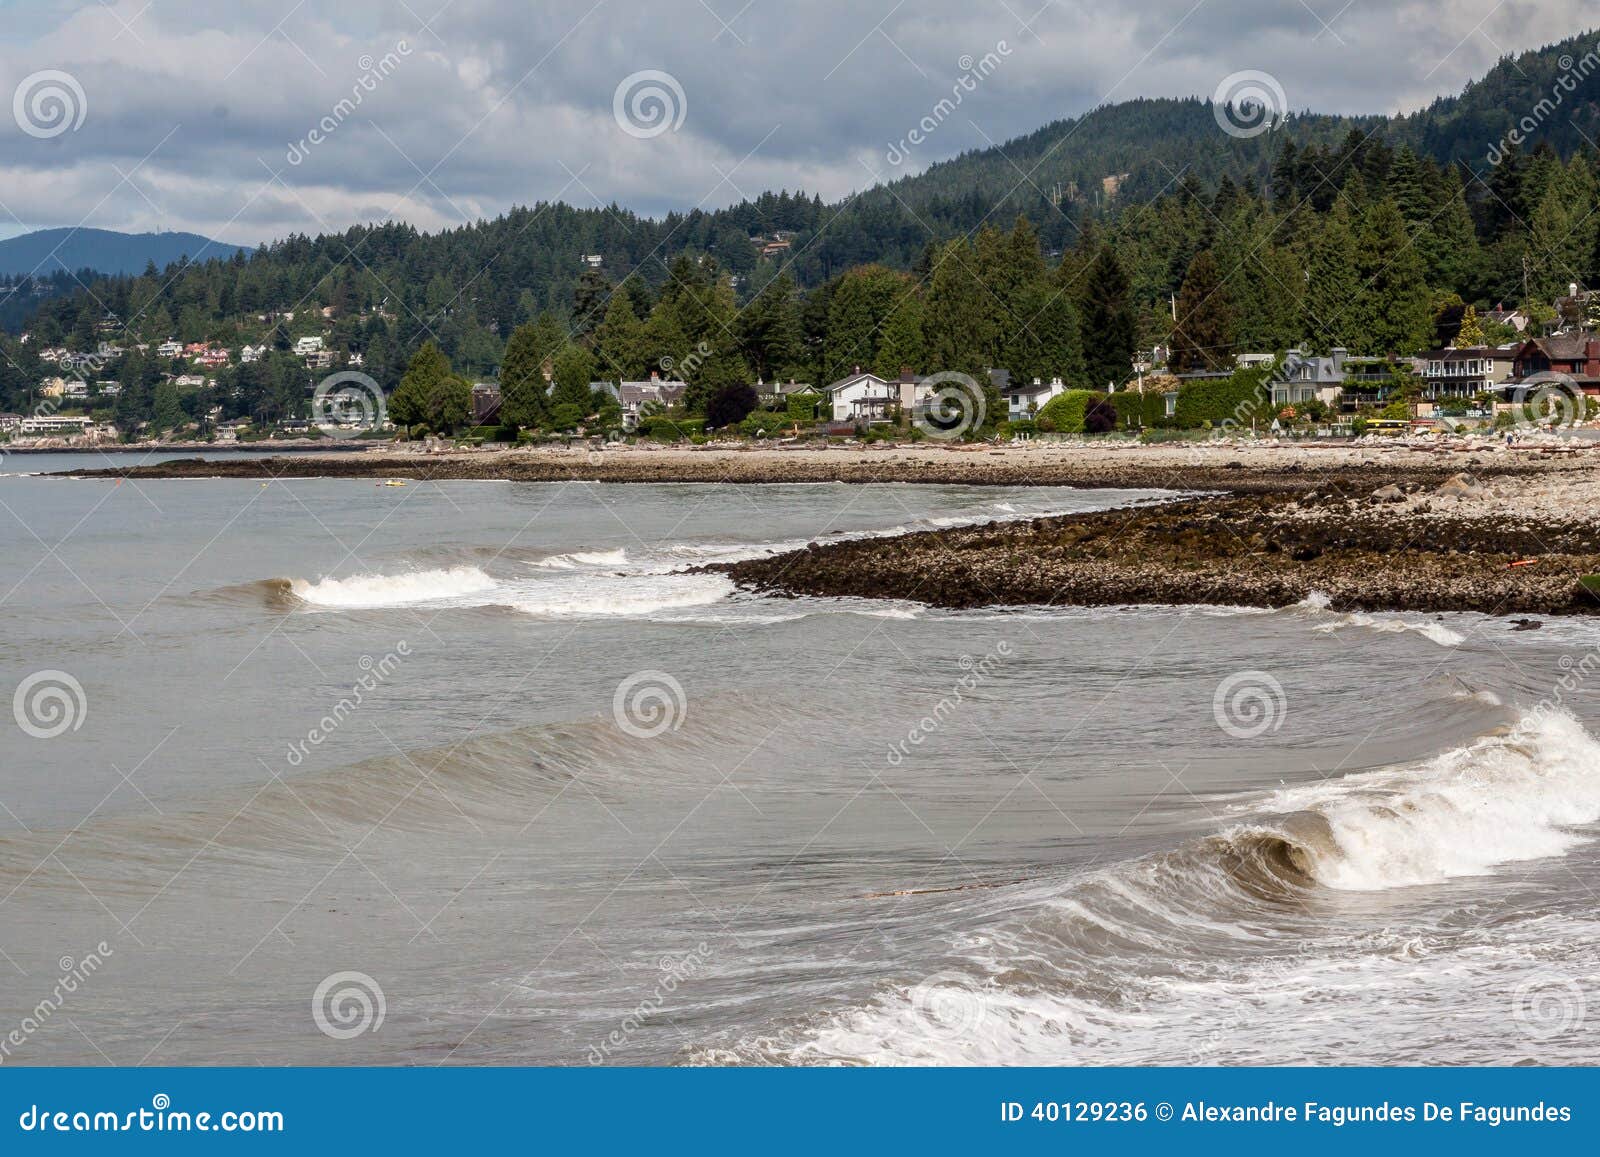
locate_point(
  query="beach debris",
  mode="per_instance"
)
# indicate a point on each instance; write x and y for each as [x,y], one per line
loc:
[1525,624]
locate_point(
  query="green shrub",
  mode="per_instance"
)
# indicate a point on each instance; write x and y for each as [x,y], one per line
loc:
[1064,413]
[1233,401]
[1136,410]
[802,407]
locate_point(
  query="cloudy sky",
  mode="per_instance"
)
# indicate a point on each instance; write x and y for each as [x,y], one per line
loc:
[249,119]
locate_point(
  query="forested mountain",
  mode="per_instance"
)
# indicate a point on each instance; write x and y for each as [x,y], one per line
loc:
[1138,222]
[48,251]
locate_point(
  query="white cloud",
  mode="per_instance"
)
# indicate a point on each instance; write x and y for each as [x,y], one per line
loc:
[192,107]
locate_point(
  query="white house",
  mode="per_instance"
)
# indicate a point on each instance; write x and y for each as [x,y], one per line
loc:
[169,349]
[1024,401]
[252,353]
[862,397]
[55,424]
[307,345]
[77,389]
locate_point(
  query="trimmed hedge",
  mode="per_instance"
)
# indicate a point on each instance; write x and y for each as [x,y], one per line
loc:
[1064,413]
[1135,410]
[1234,400]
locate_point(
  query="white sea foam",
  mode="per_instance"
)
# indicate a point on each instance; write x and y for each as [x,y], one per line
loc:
[635,595]
[381,590]
[581,558]
[1316,604]
[1498,800]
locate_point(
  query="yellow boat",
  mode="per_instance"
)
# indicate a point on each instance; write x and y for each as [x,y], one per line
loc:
[395,482]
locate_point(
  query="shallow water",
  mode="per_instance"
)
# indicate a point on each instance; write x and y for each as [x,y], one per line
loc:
[488,745]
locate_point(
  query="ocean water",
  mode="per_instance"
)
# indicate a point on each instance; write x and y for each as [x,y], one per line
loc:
[333,772]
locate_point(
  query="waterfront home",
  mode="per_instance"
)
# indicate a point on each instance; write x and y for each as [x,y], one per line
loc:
[1575,356]
[485,403]
[76,389]
[864,397]
[634,396]
[10,422]
[1303,377]
[1024,401]
[169,349]
[1468,372]
[54,424]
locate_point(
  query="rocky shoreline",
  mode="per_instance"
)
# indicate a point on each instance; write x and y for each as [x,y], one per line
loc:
[1218,468]
[1371,528]
[1262,550]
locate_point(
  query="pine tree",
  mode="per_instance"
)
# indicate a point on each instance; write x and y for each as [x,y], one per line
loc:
[769,330]
[619,341]
[1392,310]
[1332,286]
[901,345]
[1203,337]
[1108,322]
[523,394]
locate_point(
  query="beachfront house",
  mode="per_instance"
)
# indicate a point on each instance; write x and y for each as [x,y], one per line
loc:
[1024,401]
[863,397]
[1574,355]
[634,397]
[1466,373]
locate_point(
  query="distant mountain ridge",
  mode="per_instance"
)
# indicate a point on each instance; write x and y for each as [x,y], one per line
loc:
[48,251]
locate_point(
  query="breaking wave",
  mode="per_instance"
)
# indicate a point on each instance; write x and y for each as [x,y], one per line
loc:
[1317,604]
[380,590]
[1229,941]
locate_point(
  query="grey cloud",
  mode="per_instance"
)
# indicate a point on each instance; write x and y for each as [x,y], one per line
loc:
[502,104]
